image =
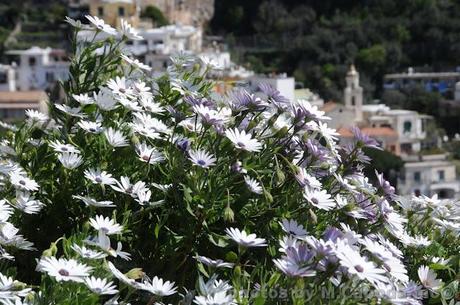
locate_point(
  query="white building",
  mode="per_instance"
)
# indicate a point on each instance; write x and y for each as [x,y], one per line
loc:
[429,175]
[7,77]
[40,69]
[158,44]
[308,95]
[409,125]
[167,39]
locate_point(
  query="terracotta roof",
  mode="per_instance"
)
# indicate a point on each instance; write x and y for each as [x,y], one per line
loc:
[370,131]
[329,106]
[345,132]
[22,96]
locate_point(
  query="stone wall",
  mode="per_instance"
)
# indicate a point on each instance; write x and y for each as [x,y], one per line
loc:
[186,12]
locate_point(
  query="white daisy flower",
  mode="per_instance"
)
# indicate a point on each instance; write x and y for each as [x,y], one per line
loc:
[359,266]
[100,25]
[158,287]
[292,227]
[125,186]
[244,239]
[150,122]
[115,137]
[105,225]
[91,127]
[242,140]
[210,63]
[99,177]
[77,23]
[145,131]
[27,203]
[148,154]
[75,112]
[202,158]
[428,278]
[330,134]
[143,197]
[151,106]
[100,286]
[126,30]
[64,269]
[119,86]
[209,116]
[23,183]
[253,185]
[320,199]
[88,201]
[83,99]
[135,62]
[9,237]
[104,99]
[304,108]
[88,253]
[36,117]
[218,263]
[60,147]
[162,187]
[305,179]
[216,297]
[286,242]
[70,160]
[5,211]
[119,275]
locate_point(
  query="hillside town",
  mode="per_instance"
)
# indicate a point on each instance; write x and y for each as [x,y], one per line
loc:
[31,75]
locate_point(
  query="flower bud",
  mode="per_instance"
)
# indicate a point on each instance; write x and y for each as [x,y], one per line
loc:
[229,215]
[313,216]
[51,251]
[268,196]
[135,273]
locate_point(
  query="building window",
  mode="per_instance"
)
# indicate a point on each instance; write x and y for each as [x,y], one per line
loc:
[353,101]
[100,11]
[121,11]
[3,78]
[407,126]
[417,177]
[32,61]
[406,148]
[441,176]
[49,77]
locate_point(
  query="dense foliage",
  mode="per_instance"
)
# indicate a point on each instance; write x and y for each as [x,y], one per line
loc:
[244,198]
[317,40]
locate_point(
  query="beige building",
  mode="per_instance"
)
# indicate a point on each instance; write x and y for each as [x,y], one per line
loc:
[112,11]
[14,104]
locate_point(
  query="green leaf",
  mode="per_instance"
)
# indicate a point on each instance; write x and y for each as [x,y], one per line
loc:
[259,300]
[157,229]
[274,279]
[217,240]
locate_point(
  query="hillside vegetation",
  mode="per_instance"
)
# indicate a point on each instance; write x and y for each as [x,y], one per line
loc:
[317,40]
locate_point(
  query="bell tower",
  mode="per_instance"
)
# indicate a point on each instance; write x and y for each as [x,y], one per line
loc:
[353,93]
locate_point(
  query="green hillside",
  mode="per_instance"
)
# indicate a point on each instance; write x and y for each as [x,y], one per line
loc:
[317,40]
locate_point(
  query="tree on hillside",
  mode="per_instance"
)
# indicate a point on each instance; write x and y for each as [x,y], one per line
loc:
[156,15]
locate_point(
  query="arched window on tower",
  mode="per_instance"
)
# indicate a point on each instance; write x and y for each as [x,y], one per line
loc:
[353,101]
